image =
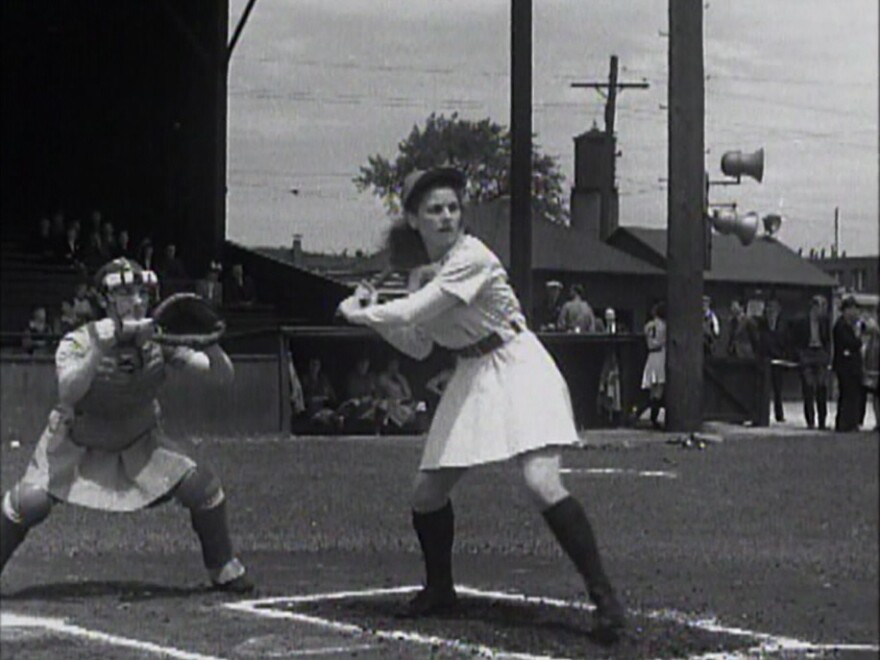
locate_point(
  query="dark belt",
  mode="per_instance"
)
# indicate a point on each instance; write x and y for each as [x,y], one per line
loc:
[485,345]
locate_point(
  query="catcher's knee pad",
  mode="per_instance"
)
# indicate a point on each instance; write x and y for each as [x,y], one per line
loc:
[27,505]
[199,490]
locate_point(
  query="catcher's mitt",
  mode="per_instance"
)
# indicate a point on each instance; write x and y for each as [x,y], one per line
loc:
[185,319]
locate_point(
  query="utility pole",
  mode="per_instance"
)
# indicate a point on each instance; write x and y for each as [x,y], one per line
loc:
[836,230]
[612,86]
[521,151]
[684,251]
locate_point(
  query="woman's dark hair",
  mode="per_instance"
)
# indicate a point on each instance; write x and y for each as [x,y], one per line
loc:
[659,310]
[406,250]
[579,290]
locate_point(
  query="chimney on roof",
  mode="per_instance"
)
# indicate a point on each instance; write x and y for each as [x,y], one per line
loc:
[297,249]
[594,200]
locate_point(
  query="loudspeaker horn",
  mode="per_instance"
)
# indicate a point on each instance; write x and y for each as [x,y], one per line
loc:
[744,227]
[736,163]
[772,223]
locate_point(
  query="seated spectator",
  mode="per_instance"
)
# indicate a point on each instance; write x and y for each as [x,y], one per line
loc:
[238,289]
[360,409]
[124,247]
[171,267]
[146,255]
[84,309]
[43,243]
[38,335]
[58,229]
[396,397]
[319,399]
[108,239]
[209,287]
[70,251]
[576,314]
[67,320]
[94,254]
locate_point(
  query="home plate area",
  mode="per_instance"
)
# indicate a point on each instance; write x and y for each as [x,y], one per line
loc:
[506,625]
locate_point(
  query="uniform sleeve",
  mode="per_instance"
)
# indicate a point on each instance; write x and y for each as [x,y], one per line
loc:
[76,362]
[411,340]
[466,273]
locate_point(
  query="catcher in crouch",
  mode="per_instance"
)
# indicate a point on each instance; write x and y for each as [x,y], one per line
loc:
[104,446]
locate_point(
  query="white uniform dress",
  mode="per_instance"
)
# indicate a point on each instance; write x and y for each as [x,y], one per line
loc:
[110,451]
[504,403]
[655,365]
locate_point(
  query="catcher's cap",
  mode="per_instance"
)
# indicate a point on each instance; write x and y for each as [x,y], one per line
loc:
[123,272]
[418,181]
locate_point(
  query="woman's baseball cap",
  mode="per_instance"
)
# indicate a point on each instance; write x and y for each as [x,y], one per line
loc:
[418,181]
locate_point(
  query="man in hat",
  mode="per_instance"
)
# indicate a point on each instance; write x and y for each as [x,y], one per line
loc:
[847,365]
[548,314]
[811,338]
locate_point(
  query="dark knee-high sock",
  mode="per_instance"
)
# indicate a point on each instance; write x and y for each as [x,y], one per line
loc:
[212,528]
[571,527]
[436,532]
[655,410]
[809,405]
[821,404]
[11,536]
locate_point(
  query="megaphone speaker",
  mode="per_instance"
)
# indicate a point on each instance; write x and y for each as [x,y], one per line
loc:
[736,163]
[772,223]
[744,227]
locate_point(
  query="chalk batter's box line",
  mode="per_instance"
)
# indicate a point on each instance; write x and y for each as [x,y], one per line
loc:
[768,644]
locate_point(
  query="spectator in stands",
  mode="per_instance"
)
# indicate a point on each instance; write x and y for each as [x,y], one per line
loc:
[319,398]
[609,401]
[847,365]
[71,252]
[576,315]
[360,409]
[548,315]
[209,287]
[67,320]
[238,289]
[743,341]
[37,339]
[94,253]
[83,307]
[396,395]
[108,239]
[711,327]
[43,244]
[147,254]
[774,340]
[811,340]
[171,267]
[124,247]
[59,229]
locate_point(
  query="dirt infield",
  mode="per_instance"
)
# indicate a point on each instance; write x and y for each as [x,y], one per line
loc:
[758,546]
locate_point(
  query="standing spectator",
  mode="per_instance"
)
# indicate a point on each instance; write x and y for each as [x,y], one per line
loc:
[238,290]
[209,287]
[609,402]
[871,363]
[490,411]
[773,334]
[37,339]
[711,327]
[811,340]
[654,375]
[743,340]
[83,308]
[847,365]
[576,315]
[548,315]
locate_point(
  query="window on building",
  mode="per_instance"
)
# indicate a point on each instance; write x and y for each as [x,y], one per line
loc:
[859,279]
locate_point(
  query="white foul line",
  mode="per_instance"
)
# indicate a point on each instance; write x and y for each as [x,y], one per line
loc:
[12,620]
[768,643]
[665,474]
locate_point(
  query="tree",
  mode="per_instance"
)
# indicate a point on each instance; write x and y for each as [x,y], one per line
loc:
[481,149]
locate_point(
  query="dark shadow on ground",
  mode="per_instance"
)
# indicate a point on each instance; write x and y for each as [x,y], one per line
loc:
[123,590]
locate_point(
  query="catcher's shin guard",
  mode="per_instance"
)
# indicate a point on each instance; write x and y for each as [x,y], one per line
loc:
[571,527]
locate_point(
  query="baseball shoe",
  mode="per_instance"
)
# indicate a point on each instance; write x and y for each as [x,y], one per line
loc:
[609,619]
[429,602]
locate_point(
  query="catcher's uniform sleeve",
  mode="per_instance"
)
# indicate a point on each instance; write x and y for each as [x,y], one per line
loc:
[76,362]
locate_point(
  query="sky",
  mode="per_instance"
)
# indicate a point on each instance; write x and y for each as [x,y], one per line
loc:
[318,86]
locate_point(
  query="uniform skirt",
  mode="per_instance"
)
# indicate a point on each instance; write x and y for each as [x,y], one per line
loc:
[127,480]
[655,370]
[510,401]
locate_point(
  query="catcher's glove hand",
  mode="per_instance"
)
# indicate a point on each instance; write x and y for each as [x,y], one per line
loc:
[186,319]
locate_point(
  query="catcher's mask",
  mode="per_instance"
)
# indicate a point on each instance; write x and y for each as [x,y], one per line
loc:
[122,273]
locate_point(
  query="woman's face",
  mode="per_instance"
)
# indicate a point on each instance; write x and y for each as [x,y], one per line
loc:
[438,220]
